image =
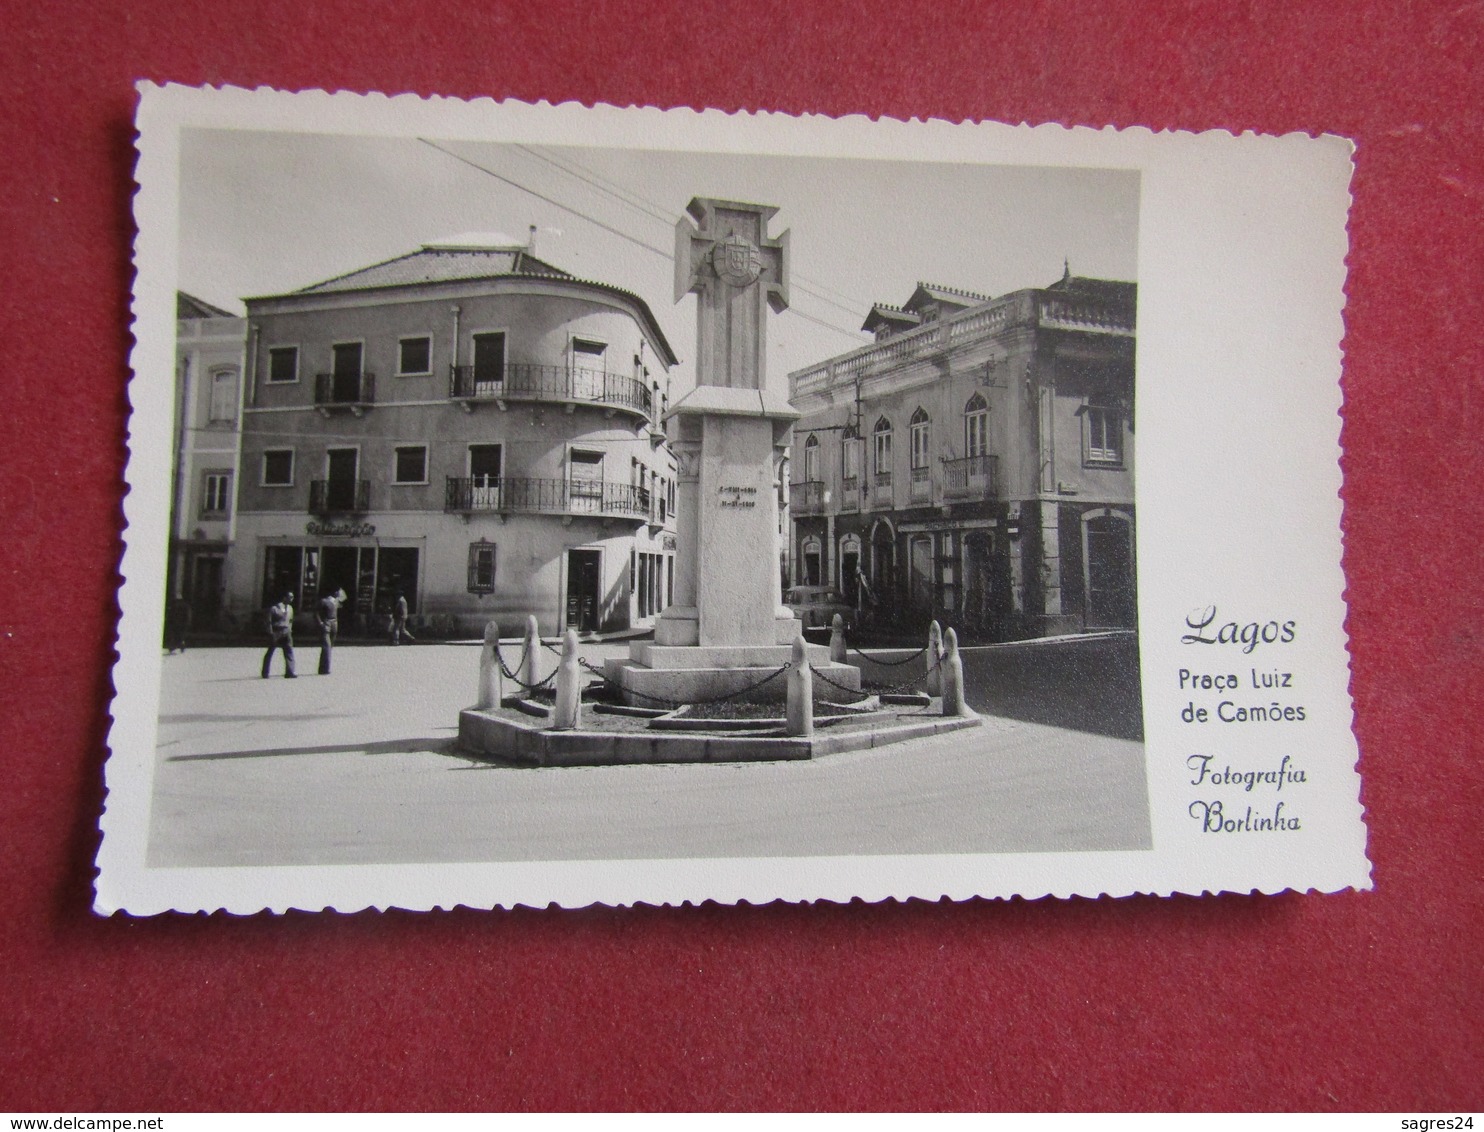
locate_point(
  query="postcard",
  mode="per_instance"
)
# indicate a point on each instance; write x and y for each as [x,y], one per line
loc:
[549,505]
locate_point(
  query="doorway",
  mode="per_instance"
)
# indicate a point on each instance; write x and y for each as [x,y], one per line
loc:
[341,466]
[340,569]
[584,584]
[850,586]
[396,577]
[484,476]
[206,590]
[1108,545]
[920,568]
[346,382]
[489,362]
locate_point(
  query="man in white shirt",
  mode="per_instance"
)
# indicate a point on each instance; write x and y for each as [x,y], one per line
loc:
[281,634]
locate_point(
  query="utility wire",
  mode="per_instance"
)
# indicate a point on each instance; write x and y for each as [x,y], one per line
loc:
[656,212]
[608,227]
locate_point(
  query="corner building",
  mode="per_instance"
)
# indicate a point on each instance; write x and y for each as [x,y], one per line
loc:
[975,464]
[466,425]
[208,394]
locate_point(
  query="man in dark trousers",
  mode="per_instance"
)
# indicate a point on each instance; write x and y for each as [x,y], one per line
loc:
[281,634]
[399,620]
[328,616]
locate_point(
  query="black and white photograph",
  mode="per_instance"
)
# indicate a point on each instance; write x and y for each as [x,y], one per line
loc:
[521,501]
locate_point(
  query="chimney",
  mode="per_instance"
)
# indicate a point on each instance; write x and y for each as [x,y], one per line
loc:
[531,242]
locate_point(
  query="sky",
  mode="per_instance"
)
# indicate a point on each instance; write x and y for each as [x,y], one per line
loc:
[263,213]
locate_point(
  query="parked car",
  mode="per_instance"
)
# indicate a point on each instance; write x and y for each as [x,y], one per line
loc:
[816,606]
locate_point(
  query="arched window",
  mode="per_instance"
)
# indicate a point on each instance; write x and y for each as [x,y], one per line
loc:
[882,451]
[811,459]
[976,426]
[921,435]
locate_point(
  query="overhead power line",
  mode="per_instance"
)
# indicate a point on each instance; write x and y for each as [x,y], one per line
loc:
[656,212]
[667,255]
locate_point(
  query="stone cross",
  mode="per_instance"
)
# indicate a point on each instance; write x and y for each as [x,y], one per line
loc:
[737,272]
[729,433]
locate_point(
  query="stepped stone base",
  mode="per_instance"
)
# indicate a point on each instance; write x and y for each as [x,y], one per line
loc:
[658,675]
[527,743]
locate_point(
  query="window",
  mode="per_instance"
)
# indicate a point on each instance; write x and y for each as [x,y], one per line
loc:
[587,353]
[489,362]
[414,356]
[411,465]
[216,495]
[588,379]
[850,458]
[484,476]
[278,467]
[1104,435]
[585,474]
[882,438]
[920,435]
[976,426]
[482,567]
[811,459]
[283,365]
[223,407]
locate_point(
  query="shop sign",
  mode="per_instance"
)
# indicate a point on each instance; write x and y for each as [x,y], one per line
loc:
[332,529]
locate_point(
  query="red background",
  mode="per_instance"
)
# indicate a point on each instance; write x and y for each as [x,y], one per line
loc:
[1347,1001]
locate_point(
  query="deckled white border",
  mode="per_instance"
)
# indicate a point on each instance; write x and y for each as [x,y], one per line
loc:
[1241,275]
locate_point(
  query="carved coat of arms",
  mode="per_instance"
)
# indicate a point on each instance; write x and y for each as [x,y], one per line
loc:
[737,261]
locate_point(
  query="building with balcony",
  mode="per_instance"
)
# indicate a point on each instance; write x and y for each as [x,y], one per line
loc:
[466,425]
[976,463]
[208,407]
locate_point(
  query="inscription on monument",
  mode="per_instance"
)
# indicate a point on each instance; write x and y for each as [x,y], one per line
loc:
[737,496]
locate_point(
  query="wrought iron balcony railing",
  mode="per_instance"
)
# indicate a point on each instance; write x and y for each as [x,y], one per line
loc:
[972,477]
[339,497]
[806,498]
[563,384]
[344,391]
[523,495]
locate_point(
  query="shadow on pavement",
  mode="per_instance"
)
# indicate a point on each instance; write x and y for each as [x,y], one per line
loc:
[1090,686]
[439,745]
[266,717]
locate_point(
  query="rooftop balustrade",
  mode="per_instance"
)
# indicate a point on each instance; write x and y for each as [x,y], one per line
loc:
[1049,309]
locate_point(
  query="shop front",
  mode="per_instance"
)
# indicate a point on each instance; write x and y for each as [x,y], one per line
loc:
[344,557]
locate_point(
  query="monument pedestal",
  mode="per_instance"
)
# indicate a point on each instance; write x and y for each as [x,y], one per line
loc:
[727,627]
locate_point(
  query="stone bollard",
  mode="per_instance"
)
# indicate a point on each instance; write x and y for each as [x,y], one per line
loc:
[953,677]
[491,693]
[530,668]
[800,712]
[837,640]
[931,659]
[568,713]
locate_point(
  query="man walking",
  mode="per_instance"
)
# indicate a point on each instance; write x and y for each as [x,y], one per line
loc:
[281,635]
[399,620]
[328,616]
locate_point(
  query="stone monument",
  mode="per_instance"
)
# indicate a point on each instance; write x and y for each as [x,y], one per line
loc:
[727,627]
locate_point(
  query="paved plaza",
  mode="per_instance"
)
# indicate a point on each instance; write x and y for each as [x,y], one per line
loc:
[360,767]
